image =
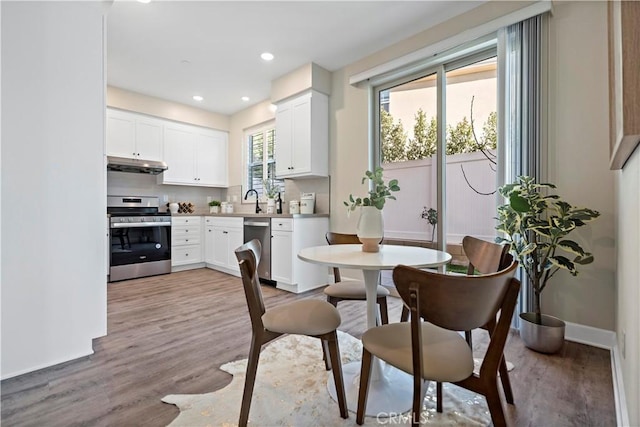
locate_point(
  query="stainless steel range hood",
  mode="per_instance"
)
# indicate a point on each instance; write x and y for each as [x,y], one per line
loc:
[123,164]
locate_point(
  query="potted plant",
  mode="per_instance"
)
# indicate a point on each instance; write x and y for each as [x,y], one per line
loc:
[270,190]
[430,215]
[214,206]
[370,225]
[536,226]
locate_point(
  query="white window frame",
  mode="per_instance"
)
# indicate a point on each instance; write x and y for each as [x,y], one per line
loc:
[262,128]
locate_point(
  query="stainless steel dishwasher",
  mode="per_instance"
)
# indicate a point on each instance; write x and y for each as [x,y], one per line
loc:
[260,228]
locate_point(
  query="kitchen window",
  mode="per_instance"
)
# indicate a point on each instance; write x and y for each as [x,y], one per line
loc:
[261,161]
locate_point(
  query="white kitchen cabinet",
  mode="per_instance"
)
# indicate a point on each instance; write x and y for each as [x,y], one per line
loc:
[289,236]
[195,156]
[282,250]
[186,242]
[302,136]
[208,241]
[225,237]
[133,135]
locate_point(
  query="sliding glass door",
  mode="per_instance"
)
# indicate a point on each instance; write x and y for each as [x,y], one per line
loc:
[437,134]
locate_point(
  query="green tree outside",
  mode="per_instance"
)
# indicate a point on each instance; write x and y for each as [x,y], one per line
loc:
[393,138]
[424,140]
[396,147]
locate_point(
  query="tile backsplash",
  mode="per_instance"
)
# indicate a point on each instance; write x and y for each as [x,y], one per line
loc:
[133,184]
[292,191]
[138,184]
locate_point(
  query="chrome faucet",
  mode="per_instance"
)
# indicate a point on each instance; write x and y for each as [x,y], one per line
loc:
[257,198]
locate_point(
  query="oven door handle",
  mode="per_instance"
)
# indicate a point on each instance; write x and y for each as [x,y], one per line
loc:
[140,224]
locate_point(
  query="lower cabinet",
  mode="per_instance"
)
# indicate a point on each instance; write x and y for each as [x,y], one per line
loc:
[186,242]
[288,237]
[222,236]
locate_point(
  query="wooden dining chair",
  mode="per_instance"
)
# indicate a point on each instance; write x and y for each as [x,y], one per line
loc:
[352,290]
[311,317]
[429,347]
[485,258]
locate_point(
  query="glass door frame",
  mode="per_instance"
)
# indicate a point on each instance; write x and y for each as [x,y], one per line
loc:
[375,146]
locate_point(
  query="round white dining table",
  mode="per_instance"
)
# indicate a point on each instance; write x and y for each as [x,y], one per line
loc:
[390,390]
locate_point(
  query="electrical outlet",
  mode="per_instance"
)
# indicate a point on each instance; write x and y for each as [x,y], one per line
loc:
[624,344]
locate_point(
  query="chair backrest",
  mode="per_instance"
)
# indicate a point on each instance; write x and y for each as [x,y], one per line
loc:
[485,257]
[458,303]
[248,256]
[340,239]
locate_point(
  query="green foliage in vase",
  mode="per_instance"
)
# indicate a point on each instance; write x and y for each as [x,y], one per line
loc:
[536,226]
[379,193]
[270,188]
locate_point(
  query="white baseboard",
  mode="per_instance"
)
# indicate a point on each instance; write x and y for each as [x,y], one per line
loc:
[619,397]
[87,352]
[607,340]
[589,335]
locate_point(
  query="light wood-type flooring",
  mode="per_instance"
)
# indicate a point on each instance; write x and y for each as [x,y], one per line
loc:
[170,334]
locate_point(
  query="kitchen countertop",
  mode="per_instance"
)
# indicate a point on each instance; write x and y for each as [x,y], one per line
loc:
[254,215]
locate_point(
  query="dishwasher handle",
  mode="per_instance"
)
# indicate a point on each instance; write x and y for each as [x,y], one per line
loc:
[257,223]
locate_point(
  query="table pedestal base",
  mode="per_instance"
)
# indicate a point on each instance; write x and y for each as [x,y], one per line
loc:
[389,395]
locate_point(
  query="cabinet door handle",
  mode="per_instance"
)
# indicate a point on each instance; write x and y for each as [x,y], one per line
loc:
[186,240]
[225,232]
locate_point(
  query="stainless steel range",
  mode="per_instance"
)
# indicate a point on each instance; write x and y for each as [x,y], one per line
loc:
[139,237]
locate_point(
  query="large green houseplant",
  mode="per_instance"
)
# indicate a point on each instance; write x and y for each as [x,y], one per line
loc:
[370,225]
[536,226]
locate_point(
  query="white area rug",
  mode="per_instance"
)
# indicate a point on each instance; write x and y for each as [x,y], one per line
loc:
[291,390]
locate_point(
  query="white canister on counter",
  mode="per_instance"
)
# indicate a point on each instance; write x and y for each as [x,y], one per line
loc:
[294,207]
[307,203]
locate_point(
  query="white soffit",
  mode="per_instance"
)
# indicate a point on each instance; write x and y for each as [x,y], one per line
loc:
[401,65]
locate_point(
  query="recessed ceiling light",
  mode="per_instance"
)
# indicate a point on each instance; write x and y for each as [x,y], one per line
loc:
[245,98]
[267,56]
[144,1]
[197,98]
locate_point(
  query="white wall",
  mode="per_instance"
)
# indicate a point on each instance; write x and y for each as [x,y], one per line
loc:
[132,101]
[53,183]
[579,155]
[628,319]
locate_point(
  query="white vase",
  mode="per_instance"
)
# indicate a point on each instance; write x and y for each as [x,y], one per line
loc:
[370,228]
[271,205]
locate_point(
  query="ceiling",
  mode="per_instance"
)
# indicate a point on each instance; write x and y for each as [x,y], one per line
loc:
[176,49]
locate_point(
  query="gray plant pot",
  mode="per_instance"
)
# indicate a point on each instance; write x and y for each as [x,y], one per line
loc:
[547,337]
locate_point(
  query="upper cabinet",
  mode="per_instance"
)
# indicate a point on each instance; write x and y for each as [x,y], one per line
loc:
[302,136]
[133,135]
[195,156]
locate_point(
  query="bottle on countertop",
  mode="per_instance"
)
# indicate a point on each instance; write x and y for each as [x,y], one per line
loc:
[279,204]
